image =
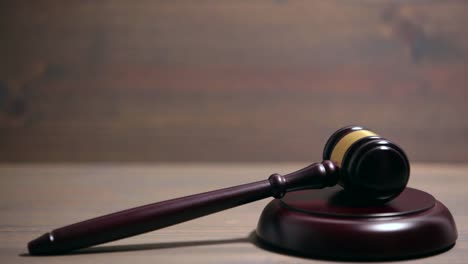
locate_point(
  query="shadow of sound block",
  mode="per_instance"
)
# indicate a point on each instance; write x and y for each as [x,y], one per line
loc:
[327,224]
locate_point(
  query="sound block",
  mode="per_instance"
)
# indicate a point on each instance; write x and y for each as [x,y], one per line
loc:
[328,224]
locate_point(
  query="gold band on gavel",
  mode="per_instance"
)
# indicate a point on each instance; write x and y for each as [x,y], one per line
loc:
[345,143]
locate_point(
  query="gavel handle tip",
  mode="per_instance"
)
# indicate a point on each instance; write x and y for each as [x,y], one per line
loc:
[43,245]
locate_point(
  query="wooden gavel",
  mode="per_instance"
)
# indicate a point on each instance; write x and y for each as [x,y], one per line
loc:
[365,164]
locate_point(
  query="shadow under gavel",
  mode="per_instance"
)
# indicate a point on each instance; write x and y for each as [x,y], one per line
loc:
[365,164]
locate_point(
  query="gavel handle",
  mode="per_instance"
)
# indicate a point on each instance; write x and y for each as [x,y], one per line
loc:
[162,214]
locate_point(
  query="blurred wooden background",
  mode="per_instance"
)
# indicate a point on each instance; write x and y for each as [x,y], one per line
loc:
[229,80]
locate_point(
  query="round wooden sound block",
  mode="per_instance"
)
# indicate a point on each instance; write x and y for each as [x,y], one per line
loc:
[327,224]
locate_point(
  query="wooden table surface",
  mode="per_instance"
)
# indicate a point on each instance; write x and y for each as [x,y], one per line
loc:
[38,198]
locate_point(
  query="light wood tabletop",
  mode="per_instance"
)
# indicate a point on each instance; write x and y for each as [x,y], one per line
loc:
[38,198]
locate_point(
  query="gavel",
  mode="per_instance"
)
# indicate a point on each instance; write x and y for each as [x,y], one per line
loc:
[364,164]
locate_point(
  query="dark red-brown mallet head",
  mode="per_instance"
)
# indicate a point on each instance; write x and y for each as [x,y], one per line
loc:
[371,167]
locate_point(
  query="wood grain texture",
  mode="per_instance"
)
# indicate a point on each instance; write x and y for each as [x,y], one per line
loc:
[227,80]
[37,198]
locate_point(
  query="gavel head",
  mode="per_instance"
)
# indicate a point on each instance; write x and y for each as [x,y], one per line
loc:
[371,167]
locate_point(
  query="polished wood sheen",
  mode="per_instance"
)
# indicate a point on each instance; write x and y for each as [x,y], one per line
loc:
[154,216]
[371,166]
[374,171]
[35,199]
[330,224]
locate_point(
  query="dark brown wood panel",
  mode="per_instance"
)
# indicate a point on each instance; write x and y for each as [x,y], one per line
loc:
[229,80]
